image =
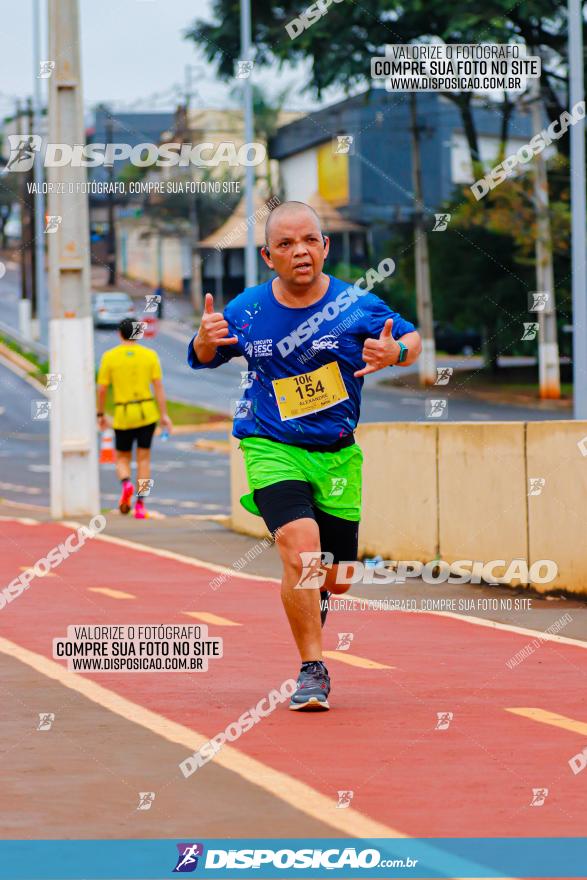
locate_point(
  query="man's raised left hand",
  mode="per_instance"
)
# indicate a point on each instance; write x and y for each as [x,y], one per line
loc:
[379,353]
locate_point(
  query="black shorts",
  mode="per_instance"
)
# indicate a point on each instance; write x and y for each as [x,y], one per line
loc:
[143,436]
[289,500]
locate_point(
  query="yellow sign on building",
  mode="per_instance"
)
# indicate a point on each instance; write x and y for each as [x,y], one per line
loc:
[333,174]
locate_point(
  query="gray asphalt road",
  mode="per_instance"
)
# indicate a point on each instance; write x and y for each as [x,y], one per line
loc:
[218,389]
[25,441]
[186,480]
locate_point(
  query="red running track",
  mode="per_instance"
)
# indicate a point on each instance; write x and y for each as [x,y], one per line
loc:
[379,740]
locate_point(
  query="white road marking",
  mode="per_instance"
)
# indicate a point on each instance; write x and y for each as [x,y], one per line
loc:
[16,487]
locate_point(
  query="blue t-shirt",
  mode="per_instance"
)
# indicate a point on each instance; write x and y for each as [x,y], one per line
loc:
[278,341]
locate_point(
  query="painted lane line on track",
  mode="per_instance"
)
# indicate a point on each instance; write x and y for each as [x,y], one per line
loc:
[211,566]
[44,574]
[553,718]
[286,788]
[215,619]
[492,624]
[112,594]
[256,767]
[170,554]
[353,660]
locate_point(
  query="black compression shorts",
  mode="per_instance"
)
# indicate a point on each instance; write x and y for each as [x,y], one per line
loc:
[143,436]
[289,500]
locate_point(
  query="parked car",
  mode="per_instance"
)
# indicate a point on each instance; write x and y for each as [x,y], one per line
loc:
[108,309]
[454,341]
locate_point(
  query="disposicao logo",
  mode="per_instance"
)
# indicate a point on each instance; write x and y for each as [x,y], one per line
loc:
[187,859]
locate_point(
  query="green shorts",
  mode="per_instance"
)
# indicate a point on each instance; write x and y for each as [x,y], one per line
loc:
[335,477]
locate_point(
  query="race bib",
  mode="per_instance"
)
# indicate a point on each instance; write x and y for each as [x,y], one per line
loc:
[307,393]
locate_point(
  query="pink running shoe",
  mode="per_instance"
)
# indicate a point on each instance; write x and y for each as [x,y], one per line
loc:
[125,497]
[140,510]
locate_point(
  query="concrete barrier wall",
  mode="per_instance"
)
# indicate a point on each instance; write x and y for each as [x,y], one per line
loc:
[399,512]
[482,492]
[557,516]
[463,491]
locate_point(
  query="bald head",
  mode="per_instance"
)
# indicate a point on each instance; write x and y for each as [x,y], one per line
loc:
[295,247]
[287,210]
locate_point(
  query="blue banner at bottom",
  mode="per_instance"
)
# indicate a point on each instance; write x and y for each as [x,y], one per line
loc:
[555,858]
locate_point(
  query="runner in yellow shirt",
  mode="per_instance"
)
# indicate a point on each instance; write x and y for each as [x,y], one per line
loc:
[132,369]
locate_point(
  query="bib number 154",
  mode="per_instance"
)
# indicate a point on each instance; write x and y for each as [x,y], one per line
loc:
[305,387]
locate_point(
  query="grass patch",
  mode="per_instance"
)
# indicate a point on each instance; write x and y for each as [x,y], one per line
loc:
[190,414]
[42,366]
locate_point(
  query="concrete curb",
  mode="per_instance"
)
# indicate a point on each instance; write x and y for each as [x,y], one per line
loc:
[21,367]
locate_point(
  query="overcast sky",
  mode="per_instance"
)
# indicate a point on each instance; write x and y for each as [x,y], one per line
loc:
[132,51]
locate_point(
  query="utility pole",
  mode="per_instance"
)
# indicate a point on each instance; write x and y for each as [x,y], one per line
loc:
[74,460]
[111,230]
[250,249]
[427,361]
[196,258]
[188,88]
[578,211]
[32,224]
[196,267]
[39,198]
[24,304]
[548,358]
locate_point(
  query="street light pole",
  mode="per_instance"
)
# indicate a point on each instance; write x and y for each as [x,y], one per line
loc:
[25,303]
[548,357]
[250,250]
[42,304]
[111,230]
[578,208]
[73,447]
[196,293]
[427,361]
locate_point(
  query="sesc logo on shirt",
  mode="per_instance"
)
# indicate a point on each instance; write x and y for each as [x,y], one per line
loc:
[263,347]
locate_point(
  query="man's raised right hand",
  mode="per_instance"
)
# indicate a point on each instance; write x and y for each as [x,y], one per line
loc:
[213,332]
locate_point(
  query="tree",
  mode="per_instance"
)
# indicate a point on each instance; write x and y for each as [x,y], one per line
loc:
[476,292]
[340,44]
[483,264]
[510,210]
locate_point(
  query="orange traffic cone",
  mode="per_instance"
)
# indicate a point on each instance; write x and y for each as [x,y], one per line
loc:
[107,447]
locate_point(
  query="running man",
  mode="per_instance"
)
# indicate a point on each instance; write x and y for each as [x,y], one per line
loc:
[132,369]
[309,339]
